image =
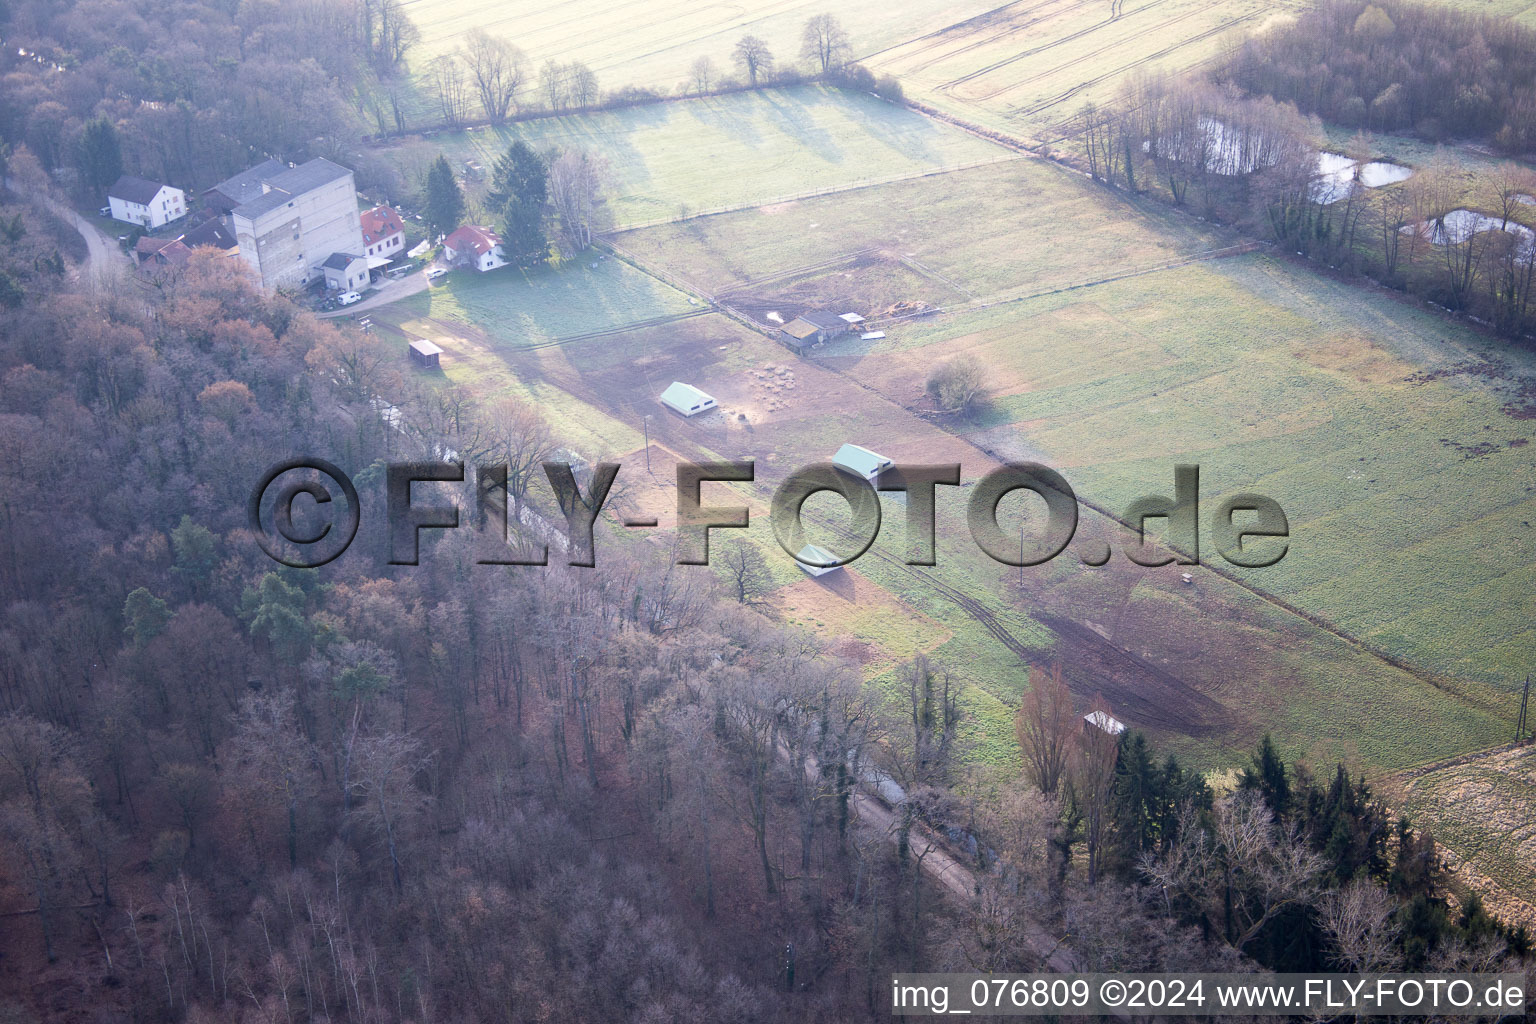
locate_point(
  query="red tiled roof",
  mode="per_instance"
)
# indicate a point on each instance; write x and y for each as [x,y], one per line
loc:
[479,239]
[380,223]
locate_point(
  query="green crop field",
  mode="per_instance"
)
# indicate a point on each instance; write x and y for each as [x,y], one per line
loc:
[692,156]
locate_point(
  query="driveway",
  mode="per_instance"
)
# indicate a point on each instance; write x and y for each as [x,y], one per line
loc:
[390,291]
[101,250]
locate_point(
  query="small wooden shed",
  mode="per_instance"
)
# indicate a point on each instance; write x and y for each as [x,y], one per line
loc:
[425,354]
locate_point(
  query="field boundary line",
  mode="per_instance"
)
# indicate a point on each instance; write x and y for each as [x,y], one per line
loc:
[757,204]
[1472,756]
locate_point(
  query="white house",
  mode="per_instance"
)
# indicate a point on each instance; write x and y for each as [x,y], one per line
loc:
[345,272]
[472,246]
[289,221]
[146,203]
[815,561]
[686,399]
[383,232]
[851,458]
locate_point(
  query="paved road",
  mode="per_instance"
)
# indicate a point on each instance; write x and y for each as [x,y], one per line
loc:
[391,291]
[101,250]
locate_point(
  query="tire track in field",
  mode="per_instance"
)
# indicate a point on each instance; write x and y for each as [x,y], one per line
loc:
[1004,30]
[1091,54]
[1023,54]
[1074,90]
[936,36]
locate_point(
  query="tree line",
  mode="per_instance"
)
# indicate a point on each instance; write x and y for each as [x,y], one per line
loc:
[530,195]
[492,79]
[1253,161]
[1290,870]
[1437,71]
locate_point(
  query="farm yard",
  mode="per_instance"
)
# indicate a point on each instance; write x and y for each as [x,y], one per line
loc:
[688,157]
[1116,381]
[1120,337]
[1161,651]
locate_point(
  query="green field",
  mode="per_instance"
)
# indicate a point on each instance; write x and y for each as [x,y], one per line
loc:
[695,156]
[525,309]
[1121,337]
[1381,429]
[993,232]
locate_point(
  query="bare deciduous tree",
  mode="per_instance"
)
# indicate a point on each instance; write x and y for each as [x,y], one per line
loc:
[576,180]
[753,57]
[824,43]
[452,89]
[701,73]
[1046,724]
[517,434]
[746,571]
[956,386]
[582,83]
[552,80]
[1359,917]
[1244,872]
[386,766]
[497,68]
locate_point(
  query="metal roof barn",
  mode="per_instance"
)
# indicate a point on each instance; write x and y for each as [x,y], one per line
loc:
[810,555]
[686,399]
[859,461]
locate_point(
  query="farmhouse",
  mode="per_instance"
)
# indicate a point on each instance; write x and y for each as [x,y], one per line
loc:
[472,246]
[859,461]
[288,221]
[814,327]
[1103,722]
[814,561]
[383,232]
[152,253]
[686,399]
[345,272]
[425,354]
[146,203]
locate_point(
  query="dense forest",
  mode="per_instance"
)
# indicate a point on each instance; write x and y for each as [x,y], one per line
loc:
[1399,66]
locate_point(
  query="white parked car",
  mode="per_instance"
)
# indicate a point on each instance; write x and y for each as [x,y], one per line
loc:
[436,272]
[347,298]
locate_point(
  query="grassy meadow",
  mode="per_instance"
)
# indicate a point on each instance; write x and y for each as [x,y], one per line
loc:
[1381,428]
[521,309]
[692,156]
